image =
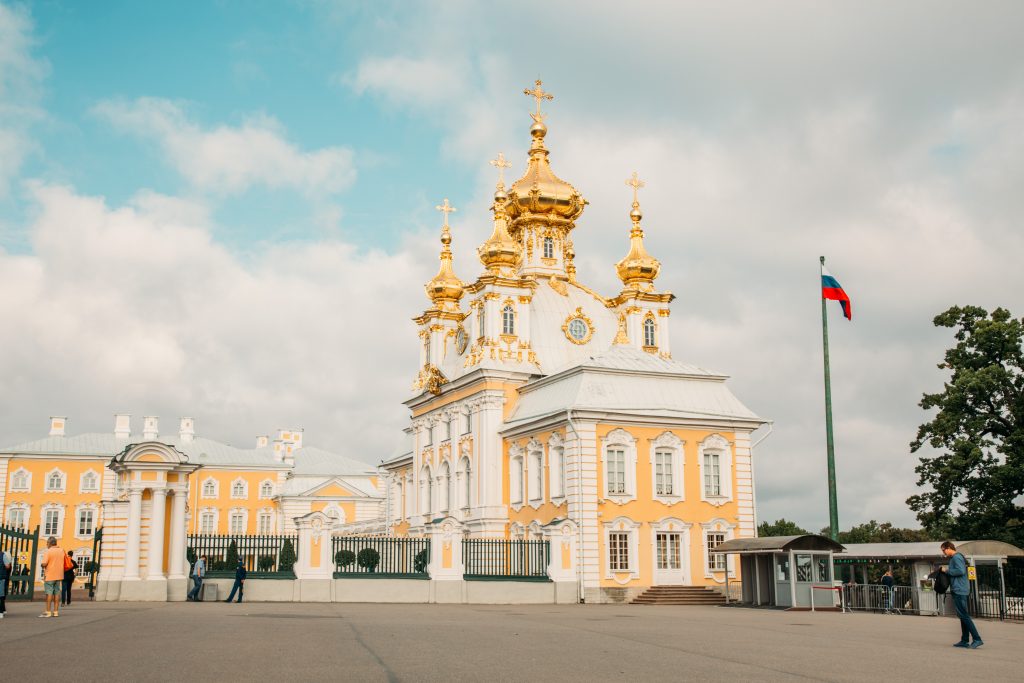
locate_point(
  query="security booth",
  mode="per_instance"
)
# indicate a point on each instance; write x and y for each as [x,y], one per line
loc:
[785,571]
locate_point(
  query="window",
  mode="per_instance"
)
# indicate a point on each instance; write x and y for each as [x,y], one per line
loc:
[803,568]
[467,423]
[444,484]
[90,482]
[16,517]
[557,471]
[21,481]
[426,492]
[207,522]
[616,471]
[267,489]
[447,429]
[426,348]
[712,475]
[209,489]
[55,481]
[782,568]
[85,522]
[265,522]
[549,248]
[716,563]
[663,483]
[508,320]
[618,551]
[516,480]
[429,433]
[239,489]
[467,487]
[821,569]
[237,522]
[649,332]
[82,557]
[51,523]
[481,319]
[536,475]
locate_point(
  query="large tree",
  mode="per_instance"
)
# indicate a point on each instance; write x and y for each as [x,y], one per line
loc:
[976,479]
[780,527]
[873,532]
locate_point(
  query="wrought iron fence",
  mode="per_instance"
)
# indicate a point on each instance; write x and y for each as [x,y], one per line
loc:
[262,555]
[499,559]
[877,598]
[998,593]
[23,547]
[380,556]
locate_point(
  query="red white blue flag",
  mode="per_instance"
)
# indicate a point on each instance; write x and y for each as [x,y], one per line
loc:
[831,289]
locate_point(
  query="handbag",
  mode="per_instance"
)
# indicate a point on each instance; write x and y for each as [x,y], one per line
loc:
[68,565]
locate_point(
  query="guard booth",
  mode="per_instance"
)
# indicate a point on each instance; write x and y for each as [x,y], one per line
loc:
[794,572]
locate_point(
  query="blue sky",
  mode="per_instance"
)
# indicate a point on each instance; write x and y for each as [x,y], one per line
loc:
[225,209]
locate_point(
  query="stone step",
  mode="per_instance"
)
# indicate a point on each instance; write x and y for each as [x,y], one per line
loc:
[679,595]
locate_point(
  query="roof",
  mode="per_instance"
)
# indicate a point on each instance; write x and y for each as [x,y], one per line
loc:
[927,550]
[316,461]
[778,544]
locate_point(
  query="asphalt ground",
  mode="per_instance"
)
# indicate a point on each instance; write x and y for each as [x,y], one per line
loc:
[372,642]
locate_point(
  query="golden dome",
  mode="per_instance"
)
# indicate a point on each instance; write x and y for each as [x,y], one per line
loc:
[639,269]
[500,250]
[445,287]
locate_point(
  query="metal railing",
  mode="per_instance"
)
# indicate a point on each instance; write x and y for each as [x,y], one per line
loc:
[997,593]
[499,559]
[23,547]
[878,598]
[262,555]
[380,556]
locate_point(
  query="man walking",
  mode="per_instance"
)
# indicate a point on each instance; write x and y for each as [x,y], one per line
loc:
[69,579]
[960,587]
[239,584]
[53,576]
[198,572]
[6,564]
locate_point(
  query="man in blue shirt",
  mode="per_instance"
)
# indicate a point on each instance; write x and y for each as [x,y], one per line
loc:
[960,587]
[198,572]
[239,584]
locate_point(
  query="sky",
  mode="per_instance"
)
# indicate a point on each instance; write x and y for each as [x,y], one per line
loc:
[225,210]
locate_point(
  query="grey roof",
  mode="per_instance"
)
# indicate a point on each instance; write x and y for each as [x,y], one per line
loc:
[314,461]
[927,550]
[778,544]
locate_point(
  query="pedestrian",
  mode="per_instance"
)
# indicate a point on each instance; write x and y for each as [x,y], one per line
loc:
[6,564]
[69,579]
[23,584]
[889,583]
[239,584]
[53,576]
[198,572]
[960,587]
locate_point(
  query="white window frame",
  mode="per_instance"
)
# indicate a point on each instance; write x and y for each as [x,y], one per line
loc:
[19,473]
[717,444]
[408,499]
[26,513]
[268,515]
[244,495]
[49,488]
[673,525]
[339,513]
[92,509]
[535,473]
[444,487]
[516,476]
[626,442]
[481,320]
[556,468]
[631,529]
[44,513]
[426,491]
[238,513]
[263,484]
[81,482]
[667,441]
[508,319]
[83,556]
[717,526]
[465,483]
[548,247]
[213,514]
[467,424]
[650,325]
[216,489]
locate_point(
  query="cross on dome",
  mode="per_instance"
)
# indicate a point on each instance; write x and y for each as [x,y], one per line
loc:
[538,94]
[501,164]
[635,182]
[446,209]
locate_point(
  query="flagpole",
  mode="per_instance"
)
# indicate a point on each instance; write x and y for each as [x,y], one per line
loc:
[833,508]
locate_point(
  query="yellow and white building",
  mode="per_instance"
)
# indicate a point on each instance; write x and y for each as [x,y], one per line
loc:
[539,400]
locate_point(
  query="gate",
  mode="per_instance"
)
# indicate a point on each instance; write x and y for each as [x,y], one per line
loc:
[23,547]
[94,564]
[998,593]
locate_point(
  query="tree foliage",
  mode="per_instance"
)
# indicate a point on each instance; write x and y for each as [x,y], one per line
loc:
[976,479]
[232,557]
[885,532]
[368,559]
[286,560]
[780,527]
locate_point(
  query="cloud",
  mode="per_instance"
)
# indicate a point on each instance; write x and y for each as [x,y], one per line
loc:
[21,77]
[230,160]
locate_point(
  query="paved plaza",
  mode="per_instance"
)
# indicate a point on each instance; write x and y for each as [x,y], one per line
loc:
[303,642]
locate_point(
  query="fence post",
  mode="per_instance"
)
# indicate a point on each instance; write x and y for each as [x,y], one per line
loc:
[445,550]
[561,538]
[315,561]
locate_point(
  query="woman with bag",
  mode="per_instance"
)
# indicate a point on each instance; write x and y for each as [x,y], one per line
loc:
[70,567]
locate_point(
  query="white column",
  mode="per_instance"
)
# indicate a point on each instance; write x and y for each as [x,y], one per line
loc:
[131,555]
[156,534]
[663,342]
[176,564]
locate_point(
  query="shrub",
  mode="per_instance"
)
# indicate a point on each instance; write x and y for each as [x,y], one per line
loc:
[190,555]
[265,563]
[92,566]
[232,559]
[344,558]
[420,561]
[217,565]
[368,559]
[287,560]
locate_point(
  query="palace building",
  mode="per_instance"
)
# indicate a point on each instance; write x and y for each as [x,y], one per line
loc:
[540,401]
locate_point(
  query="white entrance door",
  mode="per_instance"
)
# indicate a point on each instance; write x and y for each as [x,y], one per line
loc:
[668,568]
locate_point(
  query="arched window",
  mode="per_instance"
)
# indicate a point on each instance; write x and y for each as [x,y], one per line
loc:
[549,248]
[466,488]
[266,489]
[649,332]
[516,479]
[557,470]
[481,319]
[426,348]
[237,521]
[208,521]
[444,484]
[55,481]
[508,320]
[265,522]
[20,480]
[90,482]
[427,492]
[536,475]
[239,489]
[209,489]
[17,516]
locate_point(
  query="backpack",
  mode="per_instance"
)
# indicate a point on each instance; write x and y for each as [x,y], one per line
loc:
[941,583]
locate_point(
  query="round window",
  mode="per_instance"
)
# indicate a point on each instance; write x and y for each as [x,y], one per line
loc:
[578,329]
[461,341]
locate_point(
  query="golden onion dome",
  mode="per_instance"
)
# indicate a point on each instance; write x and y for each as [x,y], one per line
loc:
[540,191]
[445,287]
[500,250]
[639,269]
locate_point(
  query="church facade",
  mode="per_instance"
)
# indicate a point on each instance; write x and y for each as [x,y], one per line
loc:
[539,400]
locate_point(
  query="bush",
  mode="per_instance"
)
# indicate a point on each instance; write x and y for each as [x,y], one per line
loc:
[190,555]
[265,563]
[420,561]
[232,559]
[287,560]
[92,567]
[218,565]
[344,558]
[368,559]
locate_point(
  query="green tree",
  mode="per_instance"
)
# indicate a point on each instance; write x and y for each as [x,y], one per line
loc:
[286,562]
[368,559]
[344,558]
[231,561]
[873,532]
[976,479]
[780,527]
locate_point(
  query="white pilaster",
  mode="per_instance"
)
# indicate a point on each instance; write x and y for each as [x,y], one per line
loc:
[131,559]
[156,534]
[176,562]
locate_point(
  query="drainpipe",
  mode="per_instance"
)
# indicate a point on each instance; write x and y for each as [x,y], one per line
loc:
[579,505]
[753,489]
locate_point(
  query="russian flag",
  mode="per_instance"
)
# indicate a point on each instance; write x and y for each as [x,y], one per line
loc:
[831,289]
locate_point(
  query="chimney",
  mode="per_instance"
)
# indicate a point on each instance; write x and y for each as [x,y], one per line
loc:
[187,430]
[262,441]
[57,426]
[122,426]
[150,427]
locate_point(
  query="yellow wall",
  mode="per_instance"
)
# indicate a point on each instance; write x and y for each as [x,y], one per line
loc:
[224,503]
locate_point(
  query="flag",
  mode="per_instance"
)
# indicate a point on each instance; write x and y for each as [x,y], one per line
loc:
[831,289]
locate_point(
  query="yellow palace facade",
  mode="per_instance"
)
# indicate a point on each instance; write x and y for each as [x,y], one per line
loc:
[539,400]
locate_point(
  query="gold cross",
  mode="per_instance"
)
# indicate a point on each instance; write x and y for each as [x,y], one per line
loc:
[446,209]
[501,164]
[636,184]
[538,95]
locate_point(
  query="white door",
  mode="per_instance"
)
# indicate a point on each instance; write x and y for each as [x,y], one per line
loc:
[668,567]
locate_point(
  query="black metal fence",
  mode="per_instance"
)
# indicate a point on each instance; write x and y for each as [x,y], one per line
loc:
[23,547]
[263,556]
[998,593]
[499,559]
[380,556]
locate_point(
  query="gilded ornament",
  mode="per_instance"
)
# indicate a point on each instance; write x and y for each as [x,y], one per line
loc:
[558,286]
[638,269]
[445,289]
[578,327]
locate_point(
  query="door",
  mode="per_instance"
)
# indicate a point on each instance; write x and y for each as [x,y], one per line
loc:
[668,567]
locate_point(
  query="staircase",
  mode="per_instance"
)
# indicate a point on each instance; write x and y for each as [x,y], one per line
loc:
[679,595]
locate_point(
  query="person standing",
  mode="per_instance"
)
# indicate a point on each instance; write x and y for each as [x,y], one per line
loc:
[53,576]
[960,587]
[889,582]
[198,572]
[6,564]
[239,584]
[23,584]
[69,579]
